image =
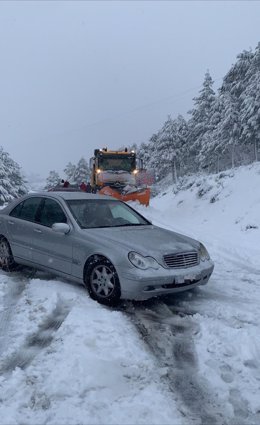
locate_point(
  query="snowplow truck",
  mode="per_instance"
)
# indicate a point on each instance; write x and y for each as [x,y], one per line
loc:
[114,173]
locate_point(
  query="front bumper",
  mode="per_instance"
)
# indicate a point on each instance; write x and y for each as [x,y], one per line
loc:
[140,285]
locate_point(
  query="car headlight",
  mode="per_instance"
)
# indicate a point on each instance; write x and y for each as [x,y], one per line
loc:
[142,262]
[204,255]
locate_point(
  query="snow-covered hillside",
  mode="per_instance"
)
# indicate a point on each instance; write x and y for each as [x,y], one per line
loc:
[222,207]
[190,359]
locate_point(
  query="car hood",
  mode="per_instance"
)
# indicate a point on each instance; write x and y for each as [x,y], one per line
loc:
[146,240]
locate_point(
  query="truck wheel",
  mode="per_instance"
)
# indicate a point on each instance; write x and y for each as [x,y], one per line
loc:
[102,282]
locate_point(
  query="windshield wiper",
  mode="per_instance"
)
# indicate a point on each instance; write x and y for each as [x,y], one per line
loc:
[95,227]
[130,224]
[117,225]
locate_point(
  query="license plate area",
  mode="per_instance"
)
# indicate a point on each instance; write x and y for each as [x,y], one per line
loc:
[180,281]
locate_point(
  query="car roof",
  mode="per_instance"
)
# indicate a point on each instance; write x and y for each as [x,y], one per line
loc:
[66,195]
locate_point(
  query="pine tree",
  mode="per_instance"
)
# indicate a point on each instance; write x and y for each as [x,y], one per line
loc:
[69,171]
[201,113]
[82,172]
[52,180]
[236,79]
[12,183]
[171,146]
[213,143]
[143,153]
[232,93]
[164,155]
[250,108]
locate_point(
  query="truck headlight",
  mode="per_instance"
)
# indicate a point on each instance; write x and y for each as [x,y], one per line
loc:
[204,255]
[142,262]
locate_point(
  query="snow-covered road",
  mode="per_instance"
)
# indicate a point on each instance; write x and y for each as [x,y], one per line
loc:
[192,358]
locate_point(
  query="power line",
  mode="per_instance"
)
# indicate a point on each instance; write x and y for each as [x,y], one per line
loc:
[134,110]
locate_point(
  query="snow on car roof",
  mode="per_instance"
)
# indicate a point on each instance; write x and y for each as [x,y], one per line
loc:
[66,195]
[80,195]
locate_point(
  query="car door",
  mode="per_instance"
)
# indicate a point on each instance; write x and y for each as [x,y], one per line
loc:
[51,249]
[20,226]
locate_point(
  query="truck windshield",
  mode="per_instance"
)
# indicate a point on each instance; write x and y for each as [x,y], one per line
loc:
[117,163]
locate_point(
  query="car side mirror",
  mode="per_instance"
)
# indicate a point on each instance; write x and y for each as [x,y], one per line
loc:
[63,228]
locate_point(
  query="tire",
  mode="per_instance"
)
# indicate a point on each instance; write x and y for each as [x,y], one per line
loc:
[7,262]
[102,282]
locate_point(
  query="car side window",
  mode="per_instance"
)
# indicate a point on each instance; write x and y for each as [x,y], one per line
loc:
[27,209]
[50,213]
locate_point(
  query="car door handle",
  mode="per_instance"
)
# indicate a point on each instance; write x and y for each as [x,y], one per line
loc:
[37,230]
[10,222]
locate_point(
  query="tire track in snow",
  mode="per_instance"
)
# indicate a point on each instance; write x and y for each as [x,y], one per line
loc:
[37,341]
[170,332]
[15,287]
[242,415]
[171,340]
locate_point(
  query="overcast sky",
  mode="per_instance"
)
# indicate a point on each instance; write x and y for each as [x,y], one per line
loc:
[75,76]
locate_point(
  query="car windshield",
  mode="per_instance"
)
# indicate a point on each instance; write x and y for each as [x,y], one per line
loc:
[94,213]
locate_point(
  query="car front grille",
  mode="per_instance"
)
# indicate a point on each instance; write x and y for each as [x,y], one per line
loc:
[181,260]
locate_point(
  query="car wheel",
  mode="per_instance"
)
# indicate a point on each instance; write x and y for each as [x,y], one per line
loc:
[102,282]
[7,262]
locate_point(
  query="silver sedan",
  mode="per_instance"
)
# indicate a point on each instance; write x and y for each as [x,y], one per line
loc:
[100,242]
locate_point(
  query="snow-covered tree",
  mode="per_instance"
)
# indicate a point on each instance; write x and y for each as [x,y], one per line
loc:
[52,180]
[148,152]
[69,171]
[144,153]
[152,155]
[82,172]
[250,108]
[12,183]
[213,143]
[231,126]
[236,79]
[167,148]
[232,94]
[201,113]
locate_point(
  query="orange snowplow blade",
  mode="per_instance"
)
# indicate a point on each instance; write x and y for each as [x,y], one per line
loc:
[142,195]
